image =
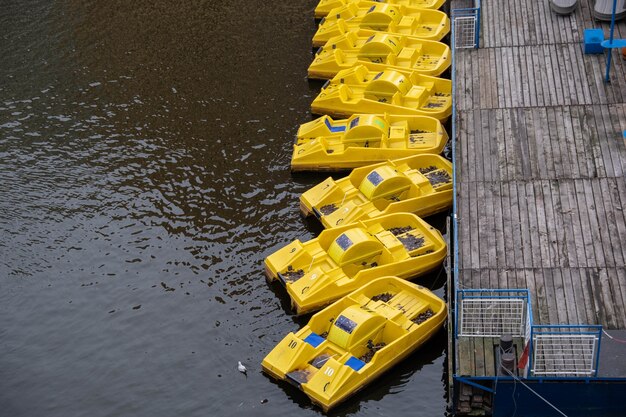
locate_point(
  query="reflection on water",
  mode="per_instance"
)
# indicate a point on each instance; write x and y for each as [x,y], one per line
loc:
[144,151]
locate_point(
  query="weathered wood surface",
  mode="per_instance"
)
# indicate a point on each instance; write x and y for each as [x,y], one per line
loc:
[541,165]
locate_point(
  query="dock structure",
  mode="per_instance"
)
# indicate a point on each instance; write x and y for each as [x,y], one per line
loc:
[541,206]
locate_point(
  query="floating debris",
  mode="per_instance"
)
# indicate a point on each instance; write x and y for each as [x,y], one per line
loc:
[411,242]
[438,177]
[400,230]
[372,349]
[427,169]
[422,317]
[384,297]
[166,287]
[328,209]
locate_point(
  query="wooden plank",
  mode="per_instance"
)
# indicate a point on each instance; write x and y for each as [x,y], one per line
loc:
[509,143]
[621,282]
[531,143]
[505,198]
[482,225]
[518,261]
[501,254]
[594,228]
[479,356]
[552,248]
[613,290]
[569,143]
[533,227]
[490,227]
[526,240]
[575,246]
[611,187]
[542,225]
[612,253]
[465,356]
[474,224]
[550,295]
[618,146]
[559,228]
[583,214]
[553,144]
[480,138]
[560,142]
[541,314]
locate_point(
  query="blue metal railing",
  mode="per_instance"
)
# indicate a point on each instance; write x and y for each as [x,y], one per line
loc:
[568,335]
[468,12]
[497,295]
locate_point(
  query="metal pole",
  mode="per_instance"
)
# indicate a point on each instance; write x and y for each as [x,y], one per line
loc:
[608,59]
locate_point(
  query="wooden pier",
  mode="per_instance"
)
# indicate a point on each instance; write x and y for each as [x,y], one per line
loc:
[541,169]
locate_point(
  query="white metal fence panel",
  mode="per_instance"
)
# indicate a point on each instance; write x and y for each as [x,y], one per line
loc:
[564,354]
[492,317]
[464,31]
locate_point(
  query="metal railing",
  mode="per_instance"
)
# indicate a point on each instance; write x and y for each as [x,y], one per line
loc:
[492,312]
[466,26]
[564,351]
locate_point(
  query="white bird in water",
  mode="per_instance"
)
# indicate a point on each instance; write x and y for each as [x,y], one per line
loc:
[242,368]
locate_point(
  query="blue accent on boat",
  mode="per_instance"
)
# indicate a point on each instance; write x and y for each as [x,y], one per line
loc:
[314,339]
[334,129]
[355,363]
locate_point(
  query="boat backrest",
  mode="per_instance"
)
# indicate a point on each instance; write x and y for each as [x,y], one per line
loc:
[380,45]
[387,83]
[384,182]
[380,15]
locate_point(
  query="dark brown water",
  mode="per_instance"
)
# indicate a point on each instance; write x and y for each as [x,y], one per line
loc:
[144,152]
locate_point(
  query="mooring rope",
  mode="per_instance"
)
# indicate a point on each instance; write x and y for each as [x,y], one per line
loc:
[613,338]
[515,378]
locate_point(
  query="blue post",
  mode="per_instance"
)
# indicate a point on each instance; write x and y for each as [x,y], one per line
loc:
[477,34]
[608,59]
[455,266]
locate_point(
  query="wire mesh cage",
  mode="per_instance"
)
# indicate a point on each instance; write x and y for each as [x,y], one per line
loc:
[565,350]
[465,31]
[492,313]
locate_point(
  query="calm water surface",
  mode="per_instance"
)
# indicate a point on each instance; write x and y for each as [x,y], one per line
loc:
[144,153]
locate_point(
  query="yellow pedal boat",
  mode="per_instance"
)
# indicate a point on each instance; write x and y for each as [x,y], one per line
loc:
[378,52]
[358,90]
[330,145]
[343,258]
[325,6]
[420,184]
[348,344]
[399,19]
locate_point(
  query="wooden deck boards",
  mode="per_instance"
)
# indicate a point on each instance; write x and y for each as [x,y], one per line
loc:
[541,165]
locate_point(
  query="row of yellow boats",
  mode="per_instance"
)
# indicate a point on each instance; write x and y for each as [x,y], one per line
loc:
[382,112]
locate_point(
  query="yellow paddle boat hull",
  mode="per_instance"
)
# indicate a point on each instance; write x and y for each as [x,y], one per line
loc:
[325,6]
[348,344]
[378,52]
[330,145]
[358,90]
[420,184]
[382,17]
[341,259]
